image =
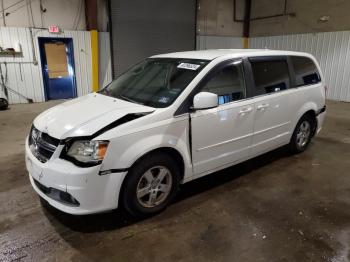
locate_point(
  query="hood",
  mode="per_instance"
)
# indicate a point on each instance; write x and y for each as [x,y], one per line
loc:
[85,115]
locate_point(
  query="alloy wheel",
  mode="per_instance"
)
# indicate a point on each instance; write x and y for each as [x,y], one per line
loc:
[154,186]
[303,134]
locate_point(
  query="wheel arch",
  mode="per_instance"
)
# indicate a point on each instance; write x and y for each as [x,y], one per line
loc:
[312,114]
[309,108]
[172,152]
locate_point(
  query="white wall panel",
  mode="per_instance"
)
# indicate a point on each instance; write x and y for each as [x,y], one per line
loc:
[26,78]
[82,57]
[332,50]
[68,14]
[218,42]
[22,77]
[105,66]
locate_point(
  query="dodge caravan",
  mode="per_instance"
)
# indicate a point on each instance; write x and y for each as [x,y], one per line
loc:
[170,119]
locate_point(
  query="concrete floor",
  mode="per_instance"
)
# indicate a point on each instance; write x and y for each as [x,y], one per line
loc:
[273,208]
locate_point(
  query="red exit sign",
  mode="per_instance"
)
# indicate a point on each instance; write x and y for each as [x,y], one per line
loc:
[54,29]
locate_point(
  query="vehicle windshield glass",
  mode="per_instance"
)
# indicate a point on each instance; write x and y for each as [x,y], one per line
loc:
[155,82]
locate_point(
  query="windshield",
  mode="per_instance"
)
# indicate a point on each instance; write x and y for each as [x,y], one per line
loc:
[155,82]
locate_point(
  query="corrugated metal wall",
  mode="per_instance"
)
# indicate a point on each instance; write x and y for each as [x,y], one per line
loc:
[215,42]
[26,78]
[332,50]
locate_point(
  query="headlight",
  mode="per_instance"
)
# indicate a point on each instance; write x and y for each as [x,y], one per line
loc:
[88,151]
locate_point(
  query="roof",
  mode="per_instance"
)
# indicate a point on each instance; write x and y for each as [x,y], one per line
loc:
[214,53]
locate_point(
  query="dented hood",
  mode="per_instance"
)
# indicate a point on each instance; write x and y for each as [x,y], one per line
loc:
[85,115]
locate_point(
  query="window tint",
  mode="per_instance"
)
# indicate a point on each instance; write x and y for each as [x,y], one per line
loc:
[228,84]
[306,72]
[270,76]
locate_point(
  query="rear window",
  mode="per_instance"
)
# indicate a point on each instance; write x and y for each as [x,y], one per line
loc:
[270,76]
[305,70]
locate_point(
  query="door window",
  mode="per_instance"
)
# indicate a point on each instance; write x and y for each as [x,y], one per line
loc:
[305,70]
[270,76]
[56,57]
[57,61]
[228,83]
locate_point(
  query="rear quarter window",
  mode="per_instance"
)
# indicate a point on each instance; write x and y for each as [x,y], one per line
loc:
[305,70]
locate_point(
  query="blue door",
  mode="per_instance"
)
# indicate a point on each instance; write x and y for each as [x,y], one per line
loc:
[57,61]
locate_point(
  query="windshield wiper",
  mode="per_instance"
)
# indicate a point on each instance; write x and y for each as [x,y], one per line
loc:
[128,99]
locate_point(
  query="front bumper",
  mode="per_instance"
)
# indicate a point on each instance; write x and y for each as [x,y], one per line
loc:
[93,193]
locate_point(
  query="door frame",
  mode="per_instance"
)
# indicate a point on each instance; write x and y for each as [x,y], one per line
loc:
[68,41]
[185,106]
[259,98]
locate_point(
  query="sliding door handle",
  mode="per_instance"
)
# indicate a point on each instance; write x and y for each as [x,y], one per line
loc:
[262,106]
[245,110]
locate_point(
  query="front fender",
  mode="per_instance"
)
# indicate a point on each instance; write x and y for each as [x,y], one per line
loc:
[148,144]
[124,151]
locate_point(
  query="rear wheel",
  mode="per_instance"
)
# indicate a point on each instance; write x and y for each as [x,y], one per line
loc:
[150,185]
[302,134]
[3,104]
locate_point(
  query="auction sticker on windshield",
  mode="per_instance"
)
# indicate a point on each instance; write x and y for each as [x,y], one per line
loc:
[188,66]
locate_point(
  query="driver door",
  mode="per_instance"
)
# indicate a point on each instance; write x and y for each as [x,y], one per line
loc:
[222,136]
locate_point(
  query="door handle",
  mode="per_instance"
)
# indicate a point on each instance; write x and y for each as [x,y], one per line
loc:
[245,110]
[262,106]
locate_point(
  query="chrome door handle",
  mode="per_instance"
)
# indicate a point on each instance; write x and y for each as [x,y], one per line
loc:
[262,106]
[245,110]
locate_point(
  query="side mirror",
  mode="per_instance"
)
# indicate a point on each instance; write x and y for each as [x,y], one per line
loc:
[205,100]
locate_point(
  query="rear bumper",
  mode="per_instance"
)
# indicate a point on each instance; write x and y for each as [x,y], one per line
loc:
[73,189]
[320,119]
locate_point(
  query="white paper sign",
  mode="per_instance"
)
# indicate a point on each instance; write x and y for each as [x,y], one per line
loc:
[188,66]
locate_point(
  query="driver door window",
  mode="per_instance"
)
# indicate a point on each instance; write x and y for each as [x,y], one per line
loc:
[228,84]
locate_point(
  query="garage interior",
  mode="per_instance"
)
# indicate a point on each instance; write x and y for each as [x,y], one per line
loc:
[275,207]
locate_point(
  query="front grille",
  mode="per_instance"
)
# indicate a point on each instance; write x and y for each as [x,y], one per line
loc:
[49,139]
[42,145]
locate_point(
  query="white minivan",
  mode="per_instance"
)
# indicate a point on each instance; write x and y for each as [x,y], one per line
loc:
[170,119]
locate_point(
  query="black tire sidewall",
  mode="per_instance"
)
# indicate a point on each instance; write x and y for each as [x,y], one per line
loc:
[293,143]
[3,104]
[129,198]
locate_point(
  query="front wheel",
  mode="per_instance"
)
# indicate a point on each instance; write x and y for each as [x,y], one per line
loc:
[302,135]
[150,185]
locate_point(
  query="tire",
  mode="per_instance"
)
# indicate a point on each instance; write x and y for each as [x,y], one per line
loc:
[302,135]
[3,104]
[156,179]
